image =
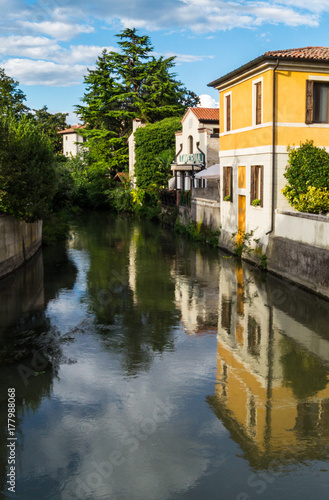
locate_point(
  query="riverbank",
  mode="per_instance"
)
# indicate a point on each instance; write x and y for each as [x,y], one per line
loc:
[19,241]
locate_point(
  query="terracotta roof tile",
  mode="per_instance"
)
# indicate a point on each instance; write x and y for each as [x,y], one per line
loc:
[71,129]
[313,54]
[203,114]
[319,53]
[206,114]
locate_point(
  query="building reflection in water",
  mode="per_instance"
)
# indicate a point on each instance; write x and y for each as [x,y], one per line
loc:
[196,294]
[272,390]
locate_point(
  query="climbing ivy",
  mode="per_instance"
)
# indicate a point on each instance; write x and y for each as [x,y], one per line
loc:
[155,151]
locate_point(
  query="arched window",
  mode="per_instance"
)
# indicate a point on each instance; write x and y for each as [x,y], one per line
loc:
[190,145]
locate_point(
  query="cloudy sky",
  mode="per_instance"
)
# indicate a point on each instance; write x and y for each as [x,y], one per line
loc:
[47,45]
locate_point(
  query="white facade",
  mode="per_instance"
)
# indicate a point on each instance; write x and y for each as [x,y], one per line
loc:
[72,140]
[257,219]
[197,145]
[131,148]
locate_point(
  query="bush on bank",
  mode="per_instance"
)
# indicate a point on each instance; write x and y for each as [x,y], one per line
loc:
[28,178]
[307,174]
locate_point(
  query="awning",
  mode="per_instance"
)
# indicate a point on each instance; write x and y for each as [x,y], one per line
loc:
[188,167]
[209,173]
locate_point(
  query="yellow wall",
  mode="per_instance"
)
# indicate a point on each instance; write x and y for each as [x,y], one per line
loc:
[290,108]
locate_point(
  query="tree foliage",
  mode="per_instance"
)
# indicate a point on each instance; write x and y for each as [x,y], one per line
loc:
[154,152]
[308,178]
[27,172]
[11,97]
[128,84]
[51,124]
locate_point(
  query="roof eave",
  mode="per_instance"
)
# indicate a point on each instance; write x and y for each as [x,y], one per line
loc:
[263,59]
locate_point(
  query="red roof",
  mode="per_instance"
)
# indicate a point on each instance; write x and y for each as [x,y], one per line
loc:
[320,53]
[312,54]
[71,129]
[204,114]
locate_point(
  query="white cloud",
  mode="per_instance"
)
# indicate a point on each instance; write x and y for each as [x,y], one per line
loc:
[30,72]
[35,47]
[82,53]
[59,30]
[186,58]
[183,58]
[206,101]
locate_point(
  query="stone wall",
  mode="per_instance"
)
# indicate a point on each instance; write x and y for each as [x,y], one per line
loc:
[18,242]
[303,264]
[212,150]
[205,205]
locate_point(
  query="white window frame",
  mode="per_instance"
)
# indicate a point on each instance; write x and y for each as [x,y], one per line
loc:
[225,111]
[254,98]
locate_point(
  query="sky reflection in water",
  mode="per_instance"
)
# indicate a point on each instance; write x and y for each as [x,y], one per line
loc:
[174,372]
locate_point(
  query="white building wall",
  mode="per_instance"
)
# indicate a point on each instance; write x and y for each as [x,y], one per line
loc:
[258,219]
[310,229]
[70,148]
[131,149]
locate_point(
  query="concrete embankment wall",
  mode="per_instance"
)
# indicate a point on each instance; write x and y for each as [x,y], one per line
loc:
[206,205]
[299,250]
[19,241]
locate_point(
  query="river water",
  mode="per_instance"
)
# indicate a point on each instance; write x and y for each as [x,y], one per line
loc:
[149,367]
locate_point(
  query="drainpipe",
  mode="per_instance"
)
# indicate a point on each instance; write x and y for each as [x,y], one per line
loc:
[203,162]
[176,156]
[179,152]
[273,148]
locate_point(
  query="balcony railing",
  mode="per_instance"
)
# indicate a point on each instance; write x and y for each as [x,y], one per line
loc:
[175,197]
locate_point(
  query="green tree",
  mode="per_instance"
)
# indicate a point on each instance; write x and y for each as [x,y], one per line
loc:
[28,178]
[307,175]
[11,97]
[125,85]
[51,124]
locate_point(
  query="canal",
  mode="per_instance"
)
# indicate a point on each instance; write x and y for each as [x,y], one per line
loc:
[147,367]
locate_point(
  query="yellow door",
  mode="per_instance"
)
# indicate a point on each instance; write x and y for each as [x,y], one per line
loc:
[241,218]
[242,177]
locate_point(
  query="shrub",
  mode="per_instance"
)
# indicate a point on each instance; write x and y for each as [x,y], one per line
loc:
[308,168]
[314,201]
[28,178]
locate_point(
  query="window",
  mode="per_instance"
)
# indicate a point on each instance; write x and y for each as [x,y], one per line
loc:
[258,103]
[317,102]
[256,185]
[216,131]
[190,145]
[228,112]
[227,184]
[226,314]
[254,336]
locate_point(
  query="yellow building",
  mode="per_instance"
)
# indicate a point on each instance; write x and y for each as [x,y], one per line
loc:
[277,100]
[272,390]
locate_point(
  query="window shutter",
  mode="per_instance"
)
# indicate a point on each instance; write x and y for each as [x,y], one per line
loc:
[252,184]
[224,182]
[261,182]
[228,113]
[230,172]
[309,101]
[258,103]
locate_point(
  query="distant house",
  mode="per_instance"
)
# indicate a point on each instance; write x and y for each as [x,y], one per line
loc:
[72,140]
[197,145]
[131,148]
[278,99]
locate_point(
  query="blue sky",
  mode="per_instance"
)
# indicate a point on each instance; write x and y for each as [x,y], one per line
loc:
[47,45]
